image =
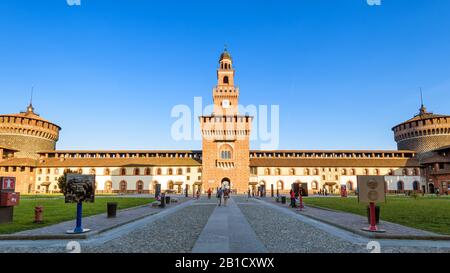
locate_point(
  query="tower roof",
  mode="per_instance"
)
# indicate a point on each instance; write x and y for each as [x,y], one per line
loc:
[225,55]
[423,115]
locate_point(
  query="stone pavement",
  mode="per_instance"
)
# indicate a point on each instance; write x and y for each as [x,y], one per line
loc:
[228,231]
[354,223]
[97,223]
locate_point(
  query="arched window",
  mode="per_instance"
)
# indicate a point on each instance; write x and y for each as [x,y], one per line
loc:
[416,185]
[92,171]
[277,171]
[391,172]
[170,185]
[107,171]
[226,152]
[377,172]
[123,186]
[158,171]
[350,185]
[344,172]
[123,171]
[148,171]
[226,80]
[170,171]
[140,186]
[188,170]
[137,171]
[307,172]
[315,185]
[267,171]
[405,171]
[199,170]
[280,185]
[108,187]
[80,171]
[400,186]
[180,171]
[292,171]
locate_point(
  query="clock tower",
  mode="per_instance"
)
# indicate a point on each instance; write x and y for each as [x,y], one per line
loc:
[226,135]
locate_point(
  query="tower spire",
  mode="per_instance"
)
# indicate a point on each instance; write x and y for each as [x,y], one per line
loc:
[423,109]
[30,108]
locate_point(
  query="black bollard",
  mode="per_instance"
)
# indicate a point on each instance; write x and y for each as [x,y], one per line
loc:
[163,201]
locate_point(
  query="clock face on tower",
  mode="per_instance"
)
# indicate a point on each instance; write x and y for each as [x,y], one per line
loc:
[226,104]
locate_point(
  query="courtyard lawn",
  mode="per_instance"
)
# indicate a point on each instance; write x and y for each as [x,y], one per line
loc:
[426,213]
[56,210]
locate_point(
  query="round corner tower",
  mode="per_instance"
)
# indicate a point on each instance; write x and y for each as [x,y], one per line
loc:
[423,133]
[28,133]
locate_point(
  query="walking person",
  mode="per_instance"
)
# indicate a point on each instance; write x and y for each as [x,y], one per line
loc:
[226,196]
[219,196]
[293,202]
[249,195]
[198,194]
[209,193]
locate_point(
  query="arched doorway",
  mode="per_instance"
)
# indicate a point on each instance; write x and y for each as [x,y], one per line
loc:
[262,188]
[431,188]
[416,186]
[226,183]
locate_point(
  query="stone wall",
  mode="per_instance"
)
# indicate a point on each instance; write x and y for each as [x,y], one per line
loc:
[28,146]
[424,143]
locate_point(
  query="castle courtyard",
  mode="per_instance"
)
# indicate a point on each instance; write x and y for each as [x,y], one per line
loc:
[255,225]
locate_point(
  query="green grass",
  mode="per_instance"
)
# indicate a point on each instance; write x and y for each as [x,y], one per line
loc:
[56,210]
[427,213]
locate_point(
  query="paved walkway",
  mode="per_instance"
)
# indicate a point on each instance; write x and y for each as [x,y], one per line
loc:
[228,231]
[354,223]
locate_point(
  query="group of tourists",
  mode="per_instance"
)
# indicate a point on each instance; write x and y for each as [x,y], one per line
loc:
[223,194]
[323,192]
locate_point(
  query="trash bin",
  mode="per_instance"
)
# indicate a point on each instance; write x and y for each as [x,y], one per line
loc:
[283,199]
[168,200]
[112,210]
[377,214]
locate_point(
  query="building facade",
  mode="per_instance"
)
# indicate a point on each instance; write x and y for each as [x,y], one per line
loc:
[421,163]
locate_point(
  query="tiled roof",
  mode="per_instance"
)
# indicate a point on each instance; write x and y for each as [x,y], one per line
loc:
[19,162]
[117,162]
[333,162]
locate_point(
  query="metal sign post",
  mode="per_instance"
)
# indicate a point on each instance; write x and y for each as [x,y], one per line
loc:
[79,227]
[79,189]
[372,189]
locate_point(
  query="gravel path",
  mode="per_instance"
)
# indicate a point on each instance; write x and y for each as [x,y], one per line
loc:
[176,233]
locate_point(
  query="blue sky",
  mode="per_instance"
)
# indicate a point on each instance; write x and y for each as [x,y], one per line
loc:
[109,72]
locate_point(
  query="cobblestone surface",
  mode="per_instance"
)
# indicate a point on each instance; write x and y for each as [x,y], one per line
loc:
[355,222]
[284,234]
[177,233]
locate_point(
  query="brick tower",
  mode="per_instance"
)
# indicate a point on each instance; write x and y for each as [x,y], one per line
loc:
[226,135]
